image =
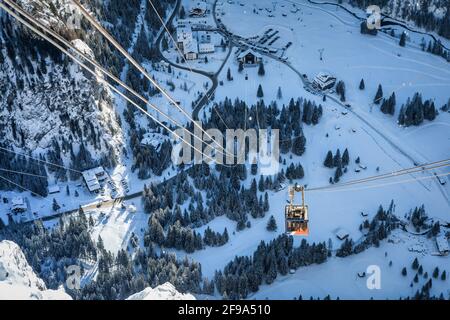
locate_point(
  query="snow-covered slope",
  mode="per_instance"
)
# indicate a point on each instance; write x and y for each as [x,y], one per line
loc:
[18,280]
[165,291]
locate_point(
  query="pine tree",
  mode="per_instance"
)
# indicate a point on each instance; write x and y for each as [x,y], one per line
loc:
[337,174]
[403,39]
[444,275]
[298,145]
[241,67]
[182,12]
[164,44]
[279,94]
[415,264]
[404,272]
[260,92]
[266,206]
[271,224]
[362,85]
[261,71]
[254,169]
[328,160]
[229,77]
[337,160]
[345,158]
[55,205]
[378,95]
[436,273]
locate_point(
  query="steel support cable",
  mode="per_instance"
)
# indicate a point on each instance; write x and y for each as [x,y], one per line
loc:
[421,168]
[39,160]
[103,70]
[139,67]
[95,75]
[385,184]
[182,55]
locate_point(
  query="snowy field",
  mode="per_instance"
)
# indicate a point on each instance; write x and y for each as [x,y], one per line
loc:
[339,276]
[366,132]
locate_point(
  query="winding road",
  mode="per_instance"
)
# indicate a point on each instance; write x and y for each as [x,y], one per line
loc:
[213,76]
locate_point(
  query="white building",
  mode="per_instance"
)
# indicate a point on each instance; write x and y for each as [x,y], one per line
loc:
[19,205]
[249,58]
[53,189]
[324,81]
[184,34]
[206,48]
[93,178]
[190,50]
[442,245]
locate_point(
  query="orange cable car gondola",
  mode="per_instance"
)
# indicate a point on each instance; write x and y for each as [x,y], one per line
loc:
[296,216]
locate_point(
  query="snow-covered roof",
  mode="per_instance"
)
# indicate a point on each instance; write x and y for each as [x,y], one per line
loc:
[153,139]
[206,47]
[442,244]
[53,189]
[184,33]
[18,204]
[191,46]
[92,177]
[323,77]
[244,53]
[17,201]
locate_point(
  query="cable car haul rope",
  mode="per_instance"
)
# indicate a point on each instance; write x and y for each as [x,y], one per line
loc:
[296,215]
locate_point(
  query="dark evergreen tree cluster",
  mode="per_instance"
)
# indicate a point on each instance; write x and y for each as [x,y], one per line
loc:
[294,172]
[378,229]
[121,276]
[215,239]
[271,224]
[388,105]
[50,251]
[261,116]
[12,162]
[415,111]
[223,190]
[337,161]
[340,90]
[418,218]
[245,274]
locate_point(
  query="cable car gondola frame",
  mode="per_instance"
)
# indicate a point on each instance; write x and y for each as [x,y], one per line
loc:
[296,216]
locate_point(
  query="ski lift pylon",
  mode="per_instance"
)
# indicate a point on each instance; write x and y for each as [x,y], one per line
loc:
[296,215]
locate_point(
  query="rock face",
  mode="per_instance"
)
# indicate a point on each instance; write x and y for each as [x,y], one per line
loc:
[18,280]
[165,291]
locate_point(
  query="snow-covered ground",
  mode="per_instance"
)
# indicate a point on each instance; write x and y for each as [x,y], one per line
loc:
[367,133]
[339,276]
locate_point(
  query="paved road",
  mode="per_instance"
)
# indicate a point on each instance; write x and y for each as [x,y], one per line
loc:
[205,99]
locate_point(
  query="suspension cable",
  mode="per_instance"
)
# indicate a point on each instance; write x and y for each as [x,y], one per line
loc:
[103,70]
[420,168]
[139,67]
[103,81]
[182,55]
